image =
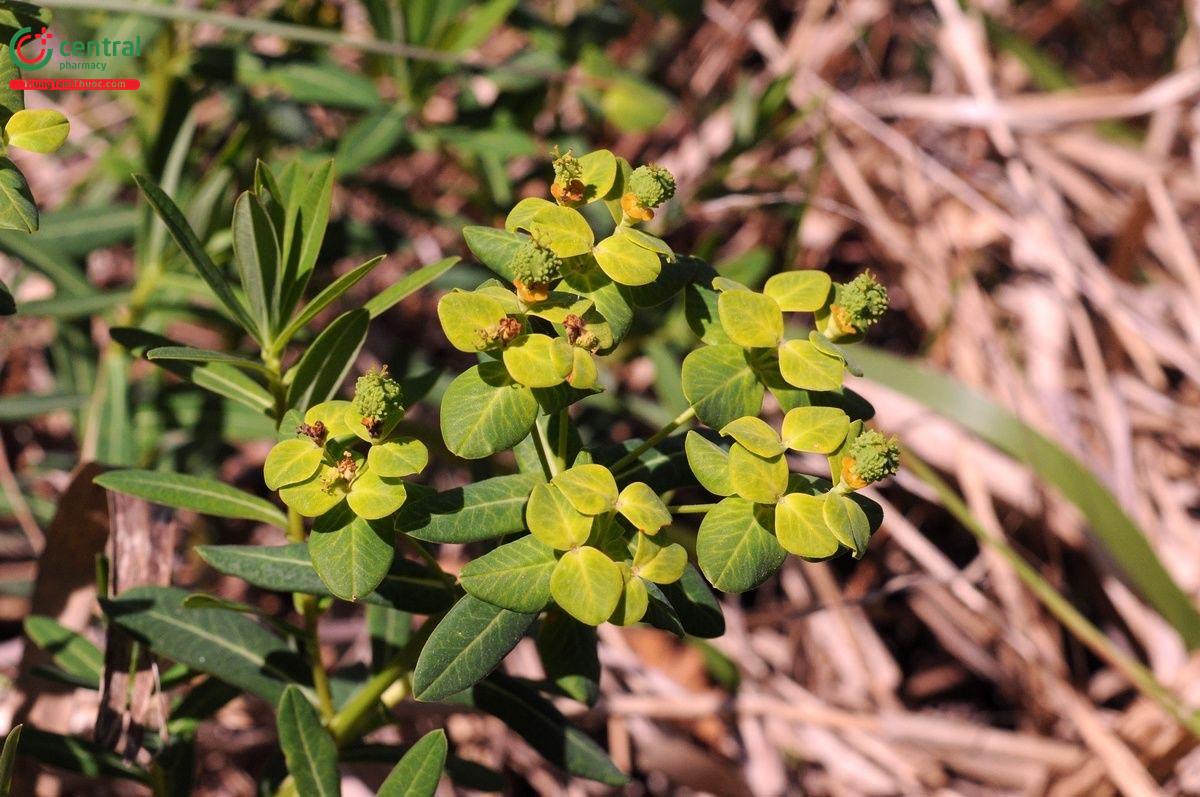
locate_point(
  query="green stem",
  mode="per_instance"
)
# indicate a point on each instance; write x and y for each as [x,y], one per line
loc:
[653,440]
[690,509]
[564,421]
[542,445]
[1083,629]
[309,609]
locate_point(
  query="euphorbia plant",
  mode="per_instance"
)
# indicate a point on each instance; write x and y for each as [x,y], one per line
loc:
[576,536]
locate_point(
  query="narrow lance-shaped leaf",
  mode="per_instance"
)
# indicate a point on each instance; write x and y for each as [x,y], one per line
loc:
[465,646]
[184,236]
[184,491]
[308,748]
[418,772]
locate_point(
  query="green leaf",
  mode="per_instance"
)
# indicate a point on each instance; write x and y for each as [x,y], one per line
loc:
[599,173]
[564,230]
[641,506]
[229,646]
[409,285]
[485,411]
[805,366]
[1113,527]
[721,385]
[72,652]
[351,555]
[466,318]
[8,758]
[709,462]
[799,291]
[591,489]
[750,319]
[77,755]
[568,649]
[626,262]
[521,216]
[494,248]
[17,208]
[762,480]
[256,255]
[538,360]
[418,772]
[291,461]
[43,130]
[323,368]
[371,139]
[287,568]
[847,522]
[18,408]
[801,529]
[697,608]
[660,564]
[326,297]
[186,239]
[188,354]
[754,434]
[700,309]
[819,430]
[465,646]
[398,457]
[308,748]
[515,576]
[184,491]
[324,84]
[587,585]
[735,547]
[634,106]
[554,521]
[317,495]
[480,510]
[540,724]
[647,241]
[373,496]
[633,602]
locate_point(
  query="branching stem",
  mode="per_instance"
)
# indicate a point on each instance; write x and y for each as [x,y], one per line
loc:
[653,440]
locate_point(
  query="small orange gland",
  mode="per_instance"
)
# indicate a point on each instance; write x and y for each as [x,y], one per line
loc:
[634,210]
[533,293]
[849,476]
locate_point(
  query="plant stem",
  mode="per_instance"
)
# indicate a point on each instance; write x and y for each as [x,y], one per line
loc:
[307,606]
[1083,629]
[347,724]
[549,463]
[653,440]
[690,509]
[564,420]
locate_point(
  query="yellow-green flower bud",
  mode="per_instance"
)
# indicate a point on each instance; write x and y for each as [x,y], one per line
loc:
[534,265]
[378,400]
[859,303]
[870,458]
[652,185]
[568,188]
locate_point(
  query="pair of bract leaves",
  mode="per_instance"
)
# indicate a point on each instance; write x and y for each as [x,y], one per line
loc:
[596,577]
[755,467]
[473,320]
[740,543]
[306,474]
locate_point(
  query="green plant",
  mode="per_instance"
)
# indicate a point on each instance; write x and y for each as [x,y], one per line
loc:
[578,536]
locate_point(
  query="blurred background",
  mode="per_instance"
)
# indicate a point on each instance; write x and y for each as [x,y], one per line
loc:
[1024,176]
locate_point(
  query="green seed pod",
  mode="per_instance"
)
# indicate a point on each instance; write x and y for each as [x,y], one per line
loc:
[870,458]
[859,303]
[534,265]
[378,400]
[652,185]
